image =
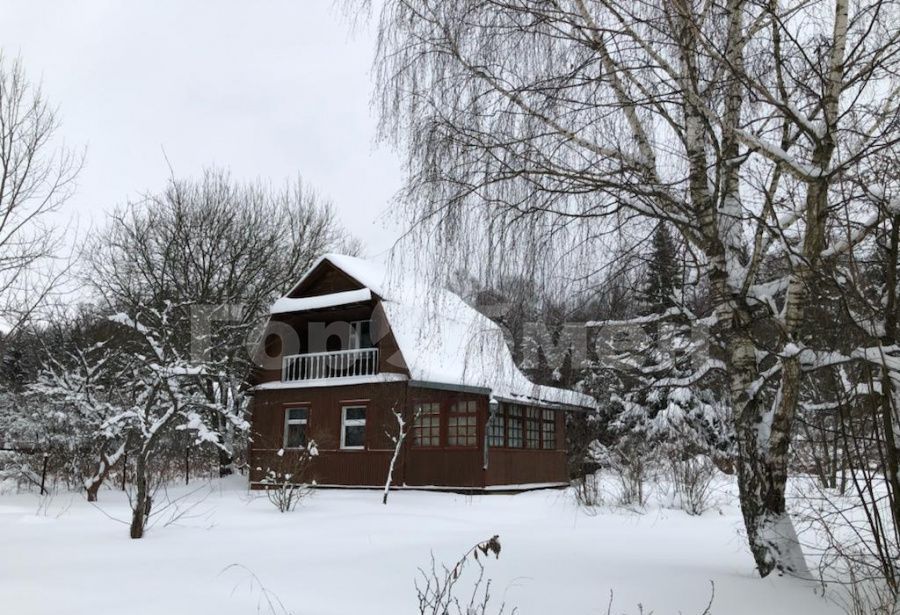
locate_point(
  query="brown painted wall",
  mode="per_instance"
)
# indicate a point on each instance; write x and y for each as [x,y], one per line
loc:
[433,466]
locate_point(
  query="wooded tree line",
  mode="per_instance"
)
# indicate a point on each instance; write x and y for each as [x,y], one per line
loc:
[763,133]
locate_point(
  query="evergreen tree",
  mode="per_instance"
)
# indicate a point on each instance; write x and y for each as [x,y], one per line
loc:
[662,283]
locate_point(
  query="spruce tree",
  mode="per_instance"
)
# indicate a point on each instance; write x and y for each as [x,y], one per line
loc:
[663,276]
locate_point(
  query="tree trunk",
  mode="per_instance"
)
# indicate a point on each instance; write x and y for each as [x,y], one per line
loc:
[141,507]
[762,440]
[226,463]
[92,486]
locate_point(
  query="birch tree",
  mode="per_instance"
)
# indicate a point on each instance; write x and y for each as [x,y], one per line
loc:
[530,126]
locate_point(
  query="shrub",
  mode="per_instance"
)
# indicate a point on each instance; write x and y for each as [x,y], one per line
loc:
[289,481]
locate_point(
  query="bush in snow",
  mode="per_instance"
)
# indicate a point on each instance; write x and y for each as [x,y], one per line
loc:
[438,588]
[289,481]
[587,491]
[692,480]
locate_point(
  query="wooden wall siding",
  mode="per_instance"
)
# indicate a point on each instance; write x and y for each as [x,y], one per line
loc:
[326,279]
[426,466]
[523,466]
[518,466]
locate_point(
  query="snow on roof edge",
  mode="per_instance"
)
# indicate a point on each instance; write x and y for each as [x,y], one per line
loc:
[300,304]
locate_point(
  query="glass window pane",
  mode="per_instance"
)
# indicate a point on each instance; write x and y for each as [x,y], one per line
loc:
[533,428]
[354,435]
[461,430]
[514,427]
[549,430]
[427,430]
[497,430]
[355,413]
[296,436]
[298,414]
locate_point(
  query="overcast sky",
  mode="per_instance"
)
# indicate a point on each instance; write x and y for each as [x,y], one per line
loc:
[268,89]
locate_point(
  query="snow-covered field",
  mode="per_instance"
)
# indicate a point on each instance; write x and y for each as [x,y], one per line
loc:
[344,552]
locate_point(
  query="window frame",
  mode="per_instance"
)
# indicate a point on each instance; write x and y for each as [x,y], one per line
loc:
[417,426]
[548,417]
[288,422]
[522,417]
[354,423]
[517,421]
[533,422]
[492,435]
[470,416]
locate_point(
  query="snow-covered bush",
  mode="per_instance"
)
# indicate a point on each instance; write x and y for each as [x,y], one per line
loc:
[289,481]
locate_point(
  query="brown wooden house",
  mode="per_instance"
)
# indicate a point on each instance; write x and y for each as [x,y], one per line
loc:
[351,343]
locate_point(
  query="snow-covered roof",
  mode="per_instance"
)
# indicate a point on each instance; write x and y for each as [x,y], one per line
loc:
[299,304]
[442,339]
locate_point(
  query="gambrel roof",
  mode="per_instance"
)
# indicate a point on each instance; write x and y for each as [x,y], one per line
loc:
[442,339]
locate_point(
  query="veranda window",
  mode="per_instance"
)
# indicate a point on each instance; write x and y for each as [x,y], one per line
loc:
[497,429]
[532,428]
[549,431]
[295,421]
[462,429]
[514,429]
[427,429]
[353,427]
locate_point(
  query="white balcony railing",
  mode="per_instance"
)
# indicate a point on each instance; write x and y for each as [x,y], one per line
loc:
[336,364]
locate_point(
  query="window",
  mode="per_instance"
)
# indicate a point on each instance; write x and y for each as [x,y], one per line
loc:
[532,428]
[462,429]
[427,430]
[497,429]
[514,426]
[353,427]
[295,420]
[549,435]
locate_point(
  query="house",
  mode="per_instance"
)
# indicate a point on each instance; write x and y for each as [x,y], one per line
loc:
[350,344]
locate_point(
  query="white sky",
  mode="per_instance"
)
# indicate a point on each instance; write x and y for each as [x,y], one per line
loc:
[268,89]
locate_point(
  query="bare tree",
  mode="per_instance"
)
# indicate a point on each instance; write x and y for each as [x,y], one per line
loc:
[36,178]
[532,129]
[403,428]
[221,250]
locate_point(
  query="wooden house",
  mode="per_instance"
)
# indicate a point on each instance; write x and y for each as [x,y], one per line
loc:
[351,345]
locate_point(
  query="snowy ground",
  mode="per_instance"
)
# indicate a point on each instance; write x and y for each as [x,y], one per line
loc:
[343,552]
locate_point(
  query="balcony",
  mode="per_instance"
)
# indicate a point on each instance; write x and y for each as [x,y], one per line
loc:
[336,364]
